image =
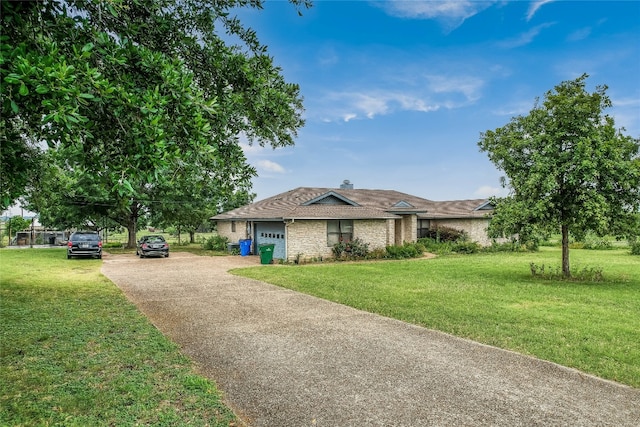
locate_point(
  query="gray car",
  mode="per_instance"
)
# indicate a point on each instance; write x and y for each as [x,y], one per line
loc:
[153,245]
[84,244]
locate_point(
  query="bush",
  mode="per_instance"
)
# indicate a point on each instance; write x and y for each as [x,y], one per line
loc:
[355,249]
[466,247]
[511,246]
[635,248]
[112,245]
[431,245]
[378,253]
[593,274]
[215,243]
[593,242]
[407,250]
[445,234]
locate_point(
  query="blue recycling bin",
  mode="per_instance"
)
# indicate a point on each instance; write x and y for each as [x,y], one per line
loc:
[245,247]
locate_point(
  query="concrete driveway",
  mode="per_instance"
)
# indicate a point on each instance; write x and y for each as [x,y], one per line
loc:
[287,359]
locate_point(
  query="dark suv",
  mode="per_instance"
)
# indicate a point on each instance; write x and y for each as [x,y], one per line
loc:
[84,243]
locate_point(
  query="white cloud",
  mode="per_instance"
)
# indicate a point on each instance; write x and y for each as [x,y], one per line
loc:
[626,102]
[579,34]
[535,5]
[250,149]
[410,103]
[625,112]
[371,105]
[525,38]
[451,13]
[469,86]
[429,93]
[519,108]
[270,166]
[486,191]
[347,117]
[353,105]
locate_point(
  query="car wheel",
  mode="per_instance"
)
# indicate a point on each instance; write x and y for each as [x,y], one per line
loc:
[141,255]
[68,256]
[166,255]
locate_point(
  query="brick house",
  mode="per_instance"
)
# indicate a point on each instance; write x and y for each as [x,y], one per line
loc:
[307,222]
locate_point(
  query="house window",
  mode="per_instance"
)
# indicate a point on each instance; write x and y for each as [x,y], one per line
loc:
[233,226]
[339,231]
[423,228]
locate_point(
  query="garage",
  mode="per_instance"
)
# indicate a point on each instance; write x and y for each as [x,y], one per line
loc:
[271,233]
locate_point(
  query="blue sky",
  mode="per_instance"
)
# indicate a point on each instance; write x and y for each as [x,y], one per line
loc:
[396,93]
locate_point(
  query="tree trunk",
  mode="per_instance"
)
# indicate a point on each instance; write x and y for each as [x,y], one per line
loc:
[132,226]
[192,236]
[566,272]
[131,230]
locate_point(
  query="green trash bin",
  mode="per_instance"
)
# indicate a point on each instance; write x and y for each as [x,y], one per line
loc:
[266,253]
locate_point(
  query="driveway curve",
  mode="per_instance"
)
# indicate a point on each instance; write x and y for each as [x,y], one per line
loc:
[282,358]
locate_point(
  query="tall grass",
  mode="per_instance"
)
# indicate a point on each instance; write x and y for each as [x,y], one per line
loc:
[494,299]
[75,352]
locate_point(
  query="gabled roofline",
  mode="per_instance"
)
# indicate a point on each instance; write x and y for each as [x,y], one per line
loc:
[403,204]
[330,194]
[484,205]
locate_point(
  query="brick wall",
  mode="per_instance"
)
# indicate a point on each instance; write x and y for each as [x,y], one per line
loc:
[373,232]
[223,228]
[475,228]
[308,238]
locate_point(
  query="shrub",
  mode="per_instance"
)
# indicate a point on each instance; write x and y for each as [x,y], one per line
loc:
[445,234]
[511,246]
[431,245]
[593,242]
[378,253]
[216,243]
[355,249]
[112,245]
[466,247]
[407,250]
[587,274]
[635,248]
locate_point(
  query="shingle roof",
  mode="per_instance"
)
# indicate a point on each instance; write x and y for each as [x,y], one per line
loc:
[369,204]
[456,209]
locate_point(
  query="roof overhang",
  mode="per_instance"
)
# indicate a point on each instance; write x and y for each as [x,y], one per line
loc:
[408,212]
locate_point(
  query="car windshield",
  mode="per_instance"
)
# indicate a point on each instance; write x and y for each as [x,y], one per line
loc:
[155,239]
[85,237]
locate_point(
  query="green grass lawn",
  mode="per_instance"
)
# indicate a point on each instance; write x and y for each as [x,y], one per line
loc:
[494,299]
[75,352]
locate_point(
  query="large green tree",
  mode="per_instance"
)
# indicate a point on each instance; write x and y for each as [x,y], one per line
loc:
[135,96]
[568,168]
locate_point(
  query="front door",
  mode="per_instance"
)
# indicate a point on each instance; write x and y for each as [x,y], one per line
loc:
[271,233]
